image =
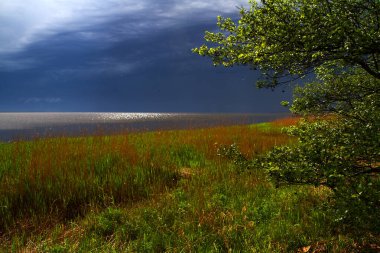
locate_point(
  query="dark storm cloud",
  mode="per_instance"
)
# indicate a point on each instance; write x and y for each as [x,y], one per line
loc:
[28,21]
[115,55]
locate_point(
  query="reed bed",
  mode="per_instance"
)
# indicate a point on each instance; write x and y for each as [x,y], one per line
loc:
[66,177]
[161,191]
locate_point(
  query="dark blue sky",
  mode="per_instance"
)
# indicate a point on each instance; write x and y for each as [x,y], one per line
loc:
[120,56]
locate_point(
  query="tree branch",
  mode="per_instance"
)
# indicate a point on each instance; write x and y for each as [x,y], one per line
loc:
[367,68]
[369,171]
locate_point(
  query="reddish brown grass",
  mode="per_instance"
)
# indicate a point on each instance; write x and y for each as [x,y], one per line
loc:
[64,176]
[290,121]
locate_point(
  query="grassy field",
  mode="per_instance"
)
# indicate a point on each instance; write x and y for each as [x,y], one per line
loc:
[158,191]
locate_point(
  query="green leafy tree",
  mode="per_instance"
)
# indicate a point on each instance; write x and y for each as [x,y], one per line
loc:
[285,38]
[338,41]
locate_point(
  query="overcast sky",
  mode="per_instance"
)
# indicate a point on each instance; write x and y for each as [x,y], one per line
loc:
[120,55]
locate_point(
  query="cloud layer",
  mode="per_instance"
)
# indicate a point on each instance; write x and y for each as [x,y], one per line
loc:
[119,55]
[27,21]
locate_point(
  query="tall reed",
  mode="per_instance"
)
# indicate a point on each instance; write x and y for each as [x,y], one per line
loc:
[63,178]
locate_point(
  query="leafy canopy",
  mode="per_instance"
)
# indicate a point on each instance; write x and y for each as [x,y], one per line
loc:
[342,151]
[290,38]
[338,41]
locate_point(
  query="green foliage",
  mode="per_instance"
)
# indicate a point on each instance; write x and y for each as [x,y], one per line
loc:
[291,37]
[341,151]
[233,153]
[204,215]
[108,221]
[339,41]
[217,209]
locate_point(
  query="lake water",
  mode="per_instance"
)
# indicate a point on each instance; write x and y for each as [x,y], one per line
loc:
[16,126]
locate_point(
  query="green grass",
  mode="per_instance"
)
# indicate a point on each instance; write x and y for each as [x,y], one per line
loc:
[155,192]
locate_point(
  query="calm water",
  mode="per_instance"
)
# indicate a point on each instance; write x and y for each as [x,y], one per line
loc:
[15,126]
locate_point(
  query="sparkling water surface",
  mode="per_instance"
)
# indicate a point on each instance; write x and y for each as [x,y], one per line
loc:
[15,126]
[12,121]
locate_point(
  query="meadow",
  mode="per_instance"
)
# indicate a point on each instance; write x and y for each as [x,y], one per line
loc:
[164,191]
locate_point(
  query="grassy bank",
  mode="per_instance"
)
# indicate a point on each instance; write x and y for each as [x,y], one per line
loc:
[157,191]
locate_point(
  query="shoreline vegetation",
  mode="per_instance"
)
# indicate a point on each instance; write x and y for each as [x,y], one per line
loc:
[161,191]
[29,126]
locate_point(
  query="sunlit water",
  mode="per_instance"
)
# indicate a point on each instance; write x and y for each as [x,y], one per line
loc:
[14,126]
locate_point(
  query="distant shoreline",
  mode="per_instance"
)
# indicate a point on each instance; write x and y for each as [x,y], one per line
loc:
[27,126]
